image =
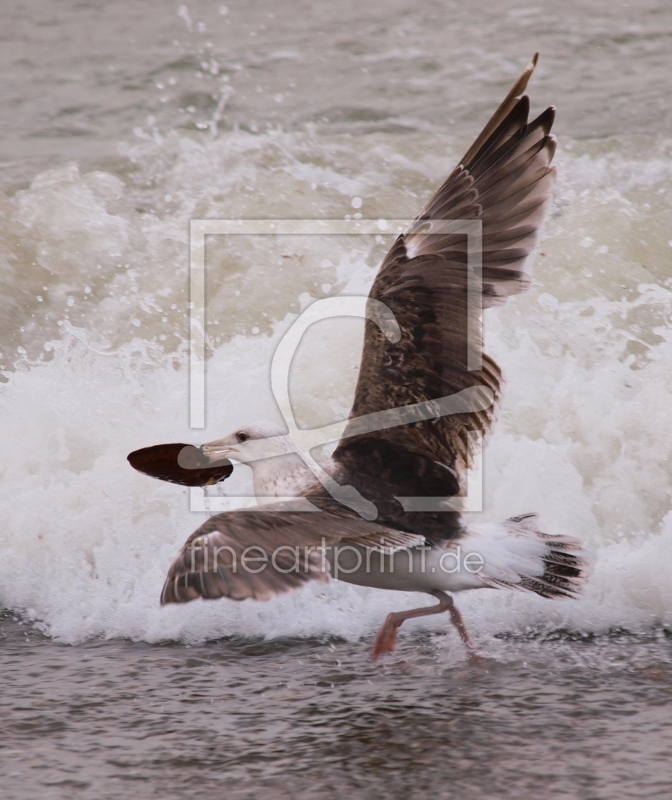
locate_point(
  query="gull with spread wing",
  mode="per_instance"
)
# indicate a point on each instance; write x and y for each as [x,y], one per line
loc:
[412,541]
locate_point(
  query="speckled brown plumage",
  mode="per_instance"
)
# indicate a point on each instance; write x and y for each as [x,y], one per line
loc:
[504,183]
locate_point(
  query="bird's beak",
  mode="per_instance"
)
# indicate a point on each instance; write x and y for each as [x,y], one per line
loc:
[217,450]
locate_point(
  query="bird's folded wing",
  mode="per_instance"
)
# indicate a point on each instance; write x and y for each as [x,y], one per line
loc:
[258,553]
[504,187]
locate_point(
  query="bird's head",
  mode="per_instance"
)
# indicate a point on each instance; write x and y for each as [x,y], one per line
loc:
[251,443]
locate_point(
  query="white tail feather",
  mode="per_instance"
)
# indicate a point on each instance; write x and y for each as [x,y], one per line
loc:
[518,555]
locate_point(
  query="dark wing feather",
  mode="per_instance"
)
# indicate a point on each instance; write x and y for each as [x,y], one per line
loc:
[262,552]
[505,182]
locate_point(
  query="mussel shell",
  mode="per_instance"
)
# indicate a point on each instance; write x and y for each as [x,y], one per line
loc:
[179,463]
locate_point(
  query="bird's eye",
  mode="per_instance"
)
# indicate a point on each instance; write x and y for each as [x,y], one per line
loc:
[242,437]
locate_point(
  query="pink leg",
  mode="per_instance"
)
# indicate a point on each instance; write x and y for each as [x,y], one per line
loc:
[386,638]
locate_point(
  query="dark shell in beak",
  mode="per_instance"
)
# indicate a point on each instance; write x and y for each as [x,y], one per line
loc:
[180,463]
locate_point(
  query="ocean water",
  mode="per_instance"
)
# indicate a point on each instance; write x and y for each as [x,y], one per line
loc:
[122,124]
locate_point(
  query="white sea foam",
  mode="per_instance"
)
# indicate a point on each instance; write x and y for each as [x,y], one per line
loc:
[584,438]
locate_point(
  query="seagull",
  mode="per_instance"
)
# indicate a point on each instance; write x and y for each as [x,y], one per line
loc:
[381,512]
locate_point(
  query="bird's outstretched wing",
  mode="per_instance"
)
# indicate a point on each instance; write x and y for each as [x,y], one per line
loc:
[503,185]
[259,553]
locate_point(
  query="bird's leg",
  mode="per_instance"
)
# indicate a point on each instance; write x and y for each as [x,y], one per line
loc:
[458,622]
[386,637]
